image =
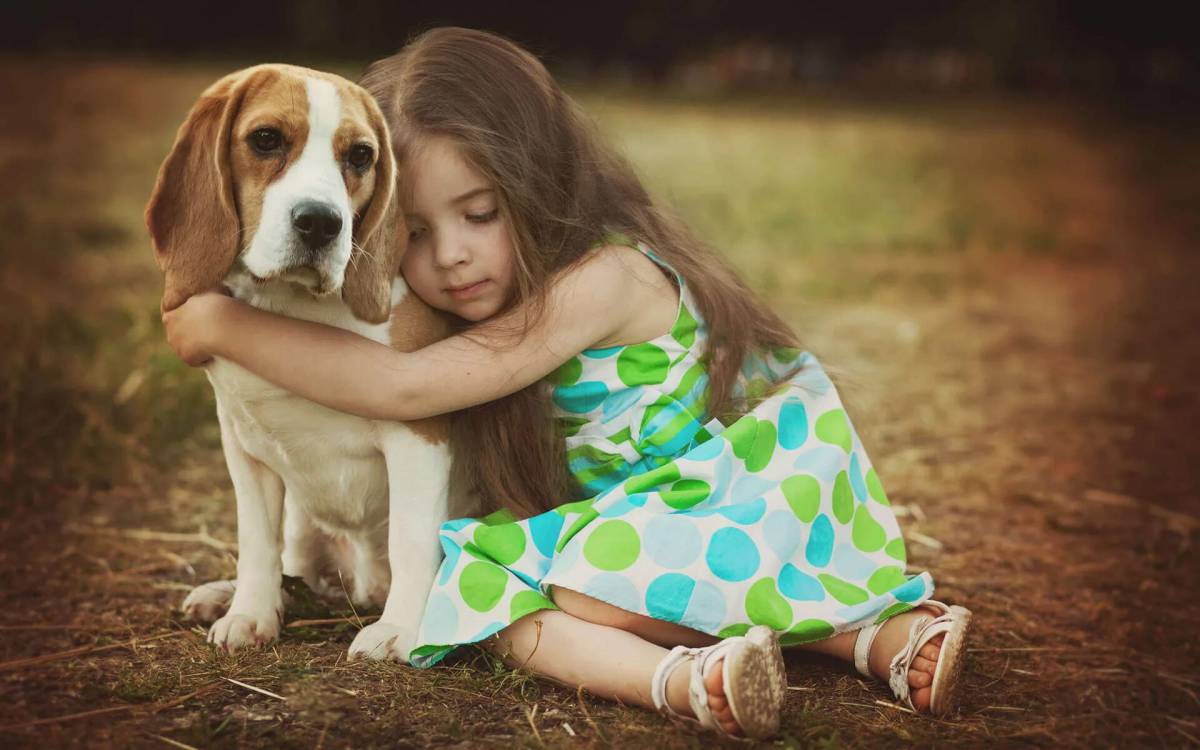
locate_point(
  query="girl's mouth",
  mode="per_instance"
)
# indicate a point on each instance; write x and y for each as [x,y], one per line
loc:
[467,292]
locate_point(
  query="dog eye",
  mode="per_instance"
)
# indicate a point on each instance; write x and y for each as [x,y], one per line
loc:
[266,140]
[360,156]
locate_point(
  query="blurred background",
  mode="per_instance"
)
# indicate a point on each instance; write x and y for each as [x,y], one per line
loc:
[980,215]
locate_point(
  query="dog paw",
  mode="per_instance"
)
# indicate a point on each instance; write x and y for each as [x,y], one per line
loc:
[237,630]
[383,640]
[209,601]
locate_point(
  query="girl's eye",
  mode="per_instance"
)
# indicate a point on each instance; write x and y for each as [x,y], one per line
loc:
[415,234]
[482,218]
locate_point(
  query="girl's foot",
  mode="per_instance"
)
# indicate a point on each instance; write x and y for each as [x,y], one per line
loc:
[714,683]
[919,653]
[735,686]
[892,637]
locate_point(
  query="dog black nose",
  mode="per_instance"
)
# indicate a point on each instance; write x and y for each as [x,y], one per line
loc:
[316,223]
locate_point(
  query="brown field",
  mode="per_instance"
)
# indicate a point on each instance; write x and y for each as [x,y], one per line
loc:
[1007,290]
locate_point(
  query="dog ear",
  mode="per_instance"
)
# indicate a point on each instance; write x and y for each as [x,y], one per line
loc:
[191,215]
[367,289]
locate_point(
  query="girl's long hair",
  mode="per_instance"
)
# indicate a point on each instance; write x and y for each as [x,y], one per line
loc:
[561,191]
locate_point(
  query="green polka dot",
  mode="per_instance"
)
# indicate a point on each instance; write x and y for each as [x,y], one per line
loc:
[664,474]
[763,448]
[736,629]
[579,506]
[684,330]
[885,579]
[843,498]
[741,435]
[505,543]
[504,515]
[585,518]
[785,353]
[482,585]
[570,426]
[766,606]
[895,548]
[806,631]
[686,492]
[568,372]
[833,427]
[757,388]
[621,436]
[875,488]
[892,611]
[846,593]
[803,493]
[642,364]
[614,545]
[525,602]
[432,648]
[868,535]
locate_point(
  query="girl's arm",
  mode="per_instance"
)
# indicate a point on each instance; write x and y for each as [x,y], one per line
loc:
[350,373]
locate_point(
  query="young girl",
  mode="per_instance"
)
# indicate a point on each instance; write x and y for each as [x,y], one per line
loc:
[690,489]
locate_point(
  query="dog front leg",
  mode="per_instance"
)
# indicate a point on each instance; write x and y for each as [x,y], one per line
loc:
[256,611]
[418,488]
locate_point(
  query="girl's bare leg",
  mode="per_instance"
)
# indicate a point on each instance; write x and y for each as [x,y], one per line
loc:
[607,650]
[891,638]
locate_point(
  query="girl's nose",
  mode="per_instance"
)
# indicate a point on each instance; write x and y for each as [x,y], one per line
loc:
[450,251]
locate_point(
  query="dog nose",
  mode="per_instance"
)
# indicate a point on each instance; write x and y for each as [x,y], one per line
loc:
[316,223]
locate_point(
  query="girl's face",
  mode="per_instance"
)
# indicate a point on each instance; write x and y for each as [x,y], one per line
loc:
[460,254]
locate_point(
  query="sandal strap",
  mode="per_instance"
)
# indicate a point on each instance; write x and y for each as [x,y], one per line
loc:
[862,648]
[704,660]
[923,630]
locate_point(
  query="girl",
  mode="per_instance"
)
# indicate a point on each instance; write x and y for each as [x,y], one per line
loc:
[691,492]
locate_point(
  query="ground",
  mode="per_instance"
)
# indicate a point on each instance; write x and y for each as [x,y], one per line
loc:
[1005,290]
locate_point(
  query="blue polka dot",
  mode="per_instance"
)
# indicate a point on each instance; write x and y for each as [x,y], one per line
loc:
[668,595]
[601,353]
[856,479]
[544,529]
[744,513]
[722,473]
[812,378]
[751,486]
[822,461]
[732,555]
[706,451]
[911,591]
[440,622]
[852,564]
[793,424]
[639,499]
[452,551]
[565,559]
[783,533]
[615,589]
[798,585]
[455,524]
[706,611]
[672,541]
[868,609]
[618,508]
[581,398]
[820,542]
[619,402]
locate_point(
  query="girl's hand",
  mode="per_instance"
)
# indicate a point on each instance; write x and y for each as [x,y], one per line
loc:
[191,326]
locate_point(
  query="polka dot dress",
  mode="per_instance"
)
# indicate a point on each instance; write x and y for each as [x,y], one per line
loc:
[778,519]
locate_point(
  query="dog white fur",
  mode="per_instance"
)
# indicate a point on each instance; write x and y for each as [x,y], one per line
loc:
[264,191]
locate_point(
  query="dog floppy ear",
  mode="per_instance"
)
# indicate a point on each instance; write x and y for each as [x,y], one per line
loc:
[367,289]
[191,215]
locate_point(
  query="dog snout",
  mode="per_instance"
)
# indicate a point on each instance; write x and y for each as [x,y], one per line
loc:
[316,223]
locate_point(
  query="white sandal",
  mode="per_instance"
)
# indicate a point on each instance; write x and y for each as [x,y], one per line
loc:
[952,621]
[755,682]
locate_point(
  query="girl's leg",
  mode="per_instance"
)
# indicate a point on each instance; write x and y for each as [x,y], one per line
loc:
[619,659]
[891,638]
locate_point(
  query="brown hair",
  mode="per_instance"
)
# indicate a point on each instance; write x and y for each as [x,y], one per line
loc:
[561,191]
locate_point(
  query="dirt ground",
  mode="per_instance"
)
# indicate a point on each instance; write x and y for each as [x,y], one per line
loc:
[1032,407]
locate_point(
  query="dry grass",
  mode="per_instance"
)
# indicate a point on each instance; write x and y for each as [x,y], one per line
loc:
[1005,286]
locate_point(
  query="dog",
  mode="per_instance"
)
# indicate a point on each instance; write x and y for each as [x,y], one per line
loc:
[281,185]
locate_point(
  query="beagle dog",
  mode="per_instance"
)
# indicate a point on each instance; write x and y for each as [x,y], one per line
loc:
[281,186]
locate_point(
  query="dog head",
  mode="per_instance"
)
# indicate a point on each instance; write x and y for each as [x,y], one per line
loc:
[286,174]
